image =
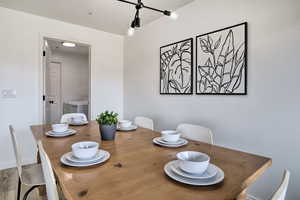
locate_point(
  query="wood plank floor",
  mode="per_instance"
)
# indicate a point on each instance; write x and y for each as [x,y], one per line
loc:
[9,184]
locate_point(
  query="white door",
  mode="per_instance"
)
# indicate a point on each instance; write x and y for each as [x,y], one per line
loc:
[53,93]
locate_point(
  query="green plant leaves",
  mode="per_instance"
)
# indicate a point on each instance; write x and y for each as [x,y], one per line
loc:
[107,118]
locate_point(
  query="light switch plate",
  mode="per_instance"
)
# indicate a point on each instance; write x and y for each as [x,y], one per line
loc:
[9,94]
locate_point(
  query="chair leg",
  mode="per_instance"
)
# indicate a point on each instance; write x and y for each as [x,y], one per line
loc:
[19,189]
[28,191]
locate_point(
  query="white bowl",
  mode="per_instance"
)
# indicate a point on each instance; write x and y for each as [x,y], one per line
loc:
[193,162]
[170,135]
[77,119]
[60,127]
[85,150]
[124,123]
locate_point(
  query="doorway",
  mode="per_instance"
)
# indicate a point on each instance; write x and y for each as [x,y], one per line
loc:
[66,67]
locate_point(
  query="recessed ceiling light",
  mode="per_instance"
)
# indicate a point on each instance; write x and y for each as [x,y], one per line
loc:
[68,44]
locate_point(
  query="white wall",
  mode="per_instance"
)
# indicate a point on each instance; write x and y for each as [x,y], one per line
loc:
[75,75]
[266,121]
[20,69]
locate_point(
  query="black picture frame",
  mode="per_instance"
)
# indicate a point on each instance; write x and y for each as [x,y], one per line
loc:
[190,58]
[229,32]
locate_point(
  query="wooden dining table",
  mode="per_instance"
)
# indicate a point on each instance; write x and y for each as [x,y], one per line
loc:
[135,170]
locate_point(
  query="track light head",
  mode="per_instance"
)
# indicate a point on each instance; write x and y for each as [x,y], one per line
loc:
[168,13]
[137,21]
[132,24]
[130,31]
[172,15]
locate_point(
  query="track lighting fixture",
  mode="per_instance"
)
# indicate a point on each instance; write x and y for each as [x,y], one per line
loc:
[136,23]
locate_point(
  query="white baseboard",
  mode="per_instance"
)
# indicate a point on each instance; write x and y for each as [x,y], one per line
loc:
[12,164]
[251,197]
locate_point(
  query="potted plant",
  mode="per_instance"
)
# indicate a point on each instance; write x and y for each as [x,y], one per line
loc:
[107,124]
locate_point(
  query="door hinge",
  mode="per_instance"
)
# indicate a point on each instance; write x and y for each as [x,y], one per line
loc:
[44,53]
[44,97]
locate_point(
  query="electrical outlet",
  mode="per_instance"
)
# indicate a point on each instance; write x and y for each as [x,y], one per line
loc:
[8,94]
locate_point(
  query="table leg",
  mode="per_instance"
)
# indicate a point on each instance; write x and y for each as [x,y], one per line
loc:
[42,189]
[242,195]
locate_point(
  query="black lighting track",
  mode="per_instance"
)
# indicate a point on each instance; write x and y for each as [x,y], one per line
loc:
[166,12]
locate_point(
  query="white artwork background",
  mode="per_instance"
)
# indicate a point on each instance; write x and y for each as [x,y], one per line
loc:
[221,62]
[176,68]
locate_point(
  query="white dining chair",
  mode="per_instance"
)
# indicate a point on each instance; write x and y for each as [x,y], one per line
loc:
[281,191]
[144,122]
[196,133]
[31,175]
[51,187]
[67,118]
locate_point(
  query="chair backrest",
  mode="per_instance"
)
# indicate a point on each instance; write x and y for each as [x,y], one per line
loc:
[51,188]
[281,191]
[144,122]
[196,133]
[16,150]
[67,118]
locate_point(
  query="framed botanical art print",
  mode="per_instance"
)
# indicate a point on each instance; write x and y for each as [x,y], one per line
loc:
[176,68]
[221,61]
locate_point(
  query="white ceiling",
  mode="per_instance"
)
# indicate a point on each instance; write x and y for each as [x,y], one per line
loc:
[56,46]
[107,15]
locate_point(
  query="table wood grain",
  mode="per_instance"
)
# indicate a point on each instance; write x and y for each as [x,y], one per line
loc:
[135,169]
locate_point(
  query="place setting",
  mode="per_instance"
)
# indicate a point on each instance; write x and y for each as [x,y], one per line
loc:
[126,125]
[60,130]
[85,154]
[78,121]
[194,168]
[170,138]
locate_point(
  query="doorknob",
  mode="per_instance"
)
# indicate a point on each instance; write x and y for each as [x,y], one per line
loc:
[51,102]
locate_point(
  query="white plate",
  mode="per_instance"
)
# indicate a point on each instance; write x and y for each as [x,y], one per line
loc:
[209,173]
[198,182]
[130,128]
[65,161]
[62,134]
[157,141]
[178,142]
[100,154]
[65,132]
[78,123]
